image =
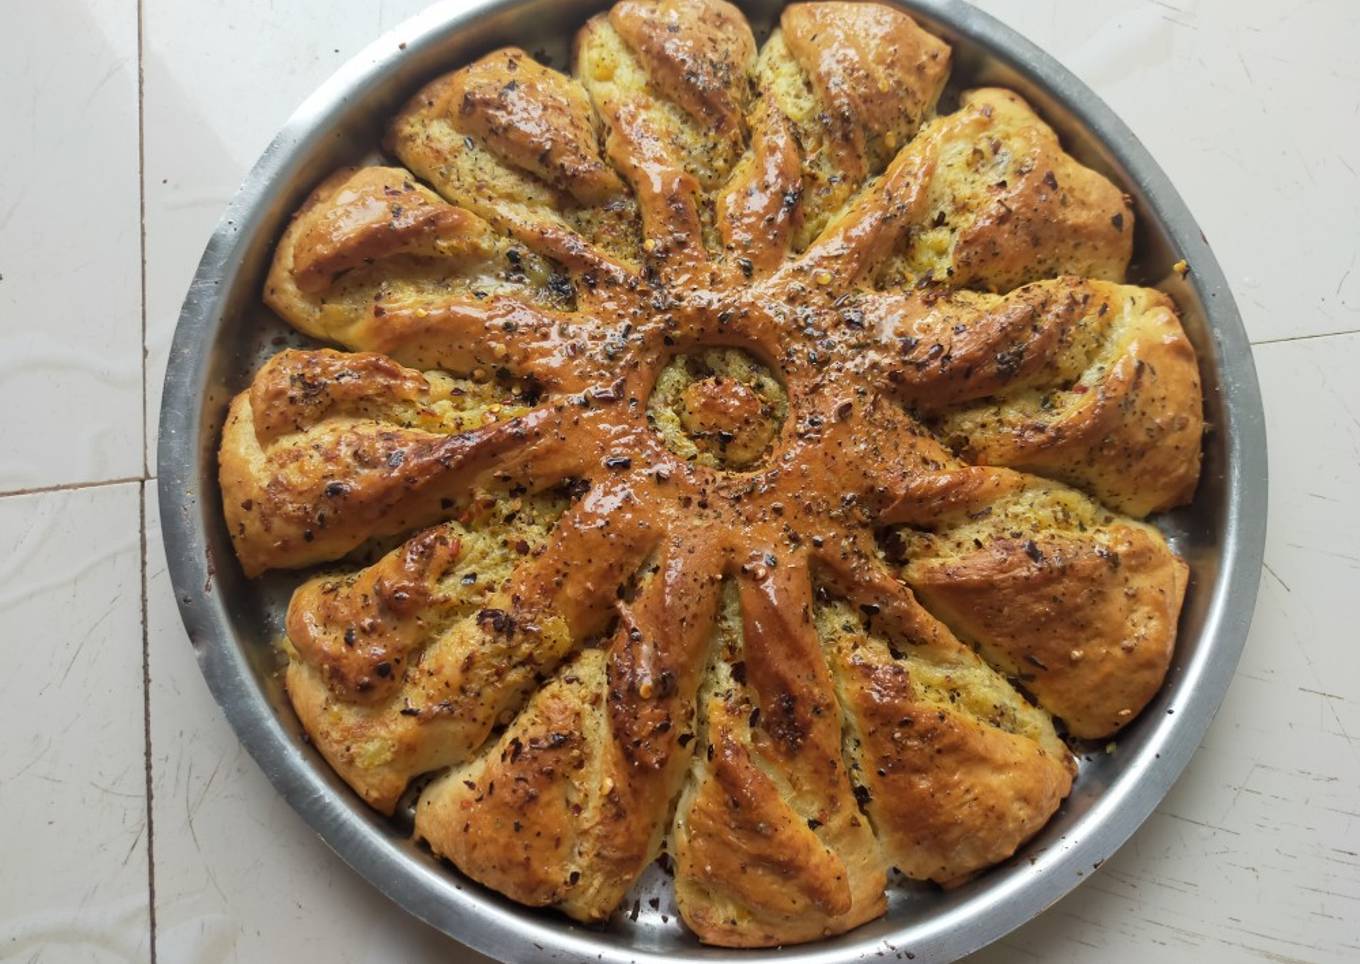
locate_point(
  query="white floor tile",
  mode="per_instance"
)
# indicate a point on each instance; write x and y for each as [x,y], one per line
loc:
[239,876]
[1256,852]
[73,872]
[221,79]
[70,256]
[1251,107]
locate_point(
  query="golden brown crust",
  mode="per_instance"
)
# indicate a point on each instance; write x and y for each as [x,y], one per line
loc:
[375,218]
[587,809]
[698,53]
[877,74]
[769,841]
[1038,576]
[1080,605]
[855,82]
[352,446]
[357,632]
[758,211]
[948,795]
[1085,381]
[469,659]
[750,870]
[510,818]
[533,118]
[713,374]
[368,238]
[1128,429]
[507,150]
[1009,206]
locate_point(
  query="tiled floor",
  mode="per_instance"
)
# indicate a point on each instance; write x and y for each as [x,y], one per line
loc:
[118,769]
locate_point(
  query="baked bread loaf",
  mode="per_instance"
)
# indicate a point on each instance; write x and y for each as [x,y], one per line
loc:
[720,451]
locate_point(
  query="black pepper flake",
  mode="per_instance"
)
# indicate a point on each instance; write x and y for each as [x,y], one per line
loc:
[1111,557]
[607,394]
[1118,222]
[813,823]
[561,286]
[499,620]
[383,669]
[618,462]
[747,269]
[1008,362]
[1033,551]
[349,636]
[754,720]
[862,795]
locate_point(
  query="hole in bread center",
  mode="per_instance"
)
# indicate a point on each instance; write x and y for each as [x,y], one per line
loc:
[719,407]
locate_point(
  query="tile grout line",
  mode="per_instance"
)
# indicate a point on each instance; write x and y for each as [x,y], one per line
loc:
[1288,338]
[74,486]
[141,220]
[146,471]
[146,743]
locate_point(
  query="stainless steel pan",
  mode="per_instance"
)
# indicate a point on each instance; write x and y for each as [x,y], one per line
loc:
[224,332]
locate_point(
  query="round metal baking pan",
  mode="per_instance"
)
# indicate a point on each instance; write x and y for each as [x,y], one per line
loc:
[224,333]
